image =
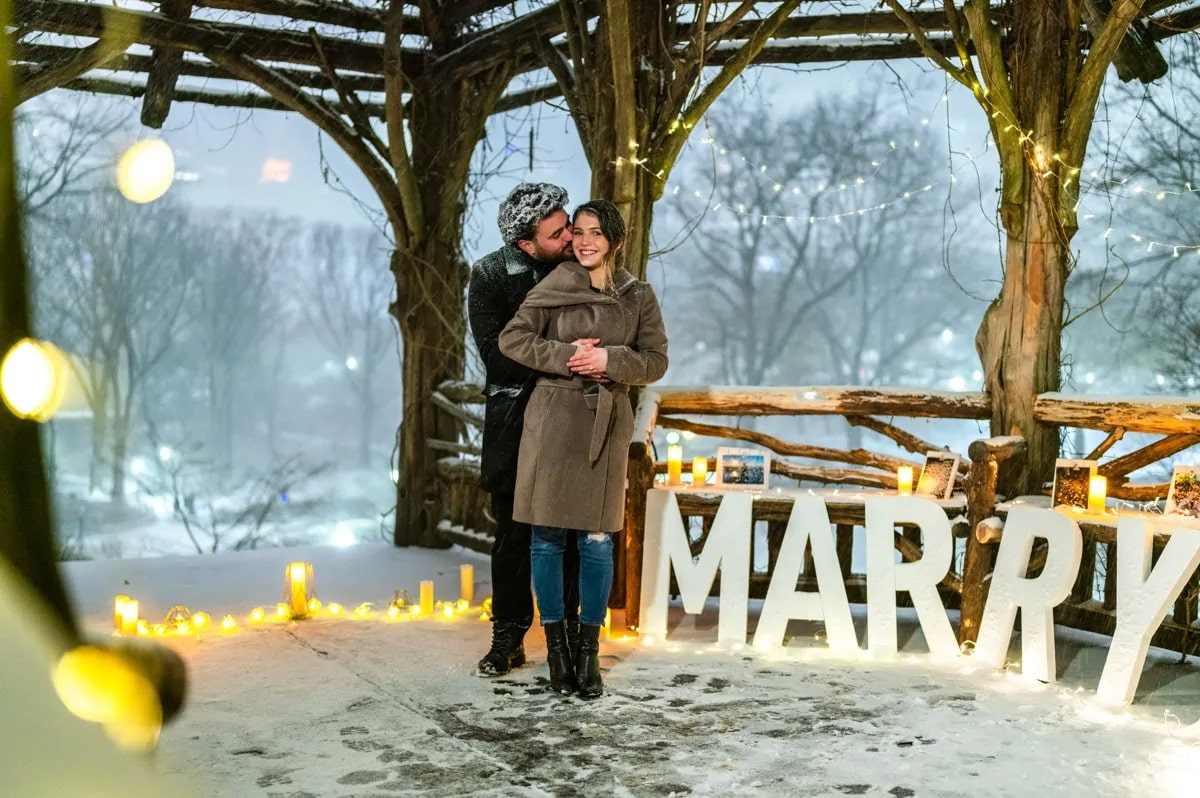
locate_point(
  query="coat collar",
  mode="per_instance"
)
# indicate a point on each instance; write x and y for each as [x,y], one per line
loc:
[517,262]
[622,279]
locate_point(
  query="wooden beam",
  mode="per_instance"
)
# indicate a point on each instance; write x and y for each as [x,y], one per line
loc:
[827,401]
[1161,414]
[832,476]
[519,99]
[1106,444]
[999,449]
[165,66]
[270,46]
[67,66]
[857,457]
[1163,447]
[344,15]
[42,55]
[497,45]
[904,438]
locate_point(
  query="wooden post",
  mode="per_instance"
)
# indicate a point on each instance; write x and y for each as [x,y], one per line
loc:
[985,456]
[775,532]
[845,548]
[1110,577]
[1085,582]
[640,475]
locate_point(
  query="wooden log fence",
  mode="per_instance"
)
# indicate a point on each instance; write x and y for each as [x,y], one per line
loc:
[988,463]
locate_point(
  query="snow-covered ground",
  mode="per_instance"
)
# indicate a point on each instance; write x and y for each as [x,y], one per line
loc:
[370,708]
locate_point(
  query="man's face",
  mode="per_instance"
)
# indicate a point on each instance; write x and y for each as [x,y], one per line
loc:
[552,240]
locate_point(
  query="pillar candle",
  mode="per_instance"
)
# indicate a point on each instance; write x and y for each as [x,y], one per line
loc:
[674,464]
[904,480]
[1097,494]
[118,615]
[427,597]
[298,595]
[466,578]
[129,616]
[699,470]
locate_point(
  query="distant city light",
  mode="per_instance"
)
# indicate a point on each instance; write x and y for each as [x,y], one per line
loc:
[165,453]
[672,437]
[947,335]
[138,466]
[145,171]
[395,476]
[352,363]
[276,170]
[976,375]
[1089,378]
[957,383]
[1160,379]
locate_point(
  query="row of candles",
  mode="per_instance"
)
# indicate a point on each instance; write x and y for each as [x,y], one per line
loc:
[1097,488]
[301,603]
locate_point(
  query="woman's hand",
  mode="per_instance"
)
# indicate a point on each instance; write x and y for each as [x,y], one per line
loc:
[589,361]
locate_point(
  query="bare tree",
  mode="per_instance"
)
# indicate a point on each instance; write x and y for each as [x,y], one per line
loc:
[344,297]
[112,282]
[810,264]
[62,147]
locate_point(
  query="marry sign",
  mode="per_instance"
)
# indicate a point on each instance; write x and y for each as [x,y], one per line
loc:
[1144,593]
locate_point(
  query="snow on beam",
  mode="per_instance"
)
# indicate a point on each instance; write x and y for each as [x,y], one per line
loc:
[1162,414]
[754,401]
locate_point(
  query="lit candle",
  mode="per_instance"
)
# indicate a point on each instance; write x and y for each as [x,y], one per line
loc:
[282,611]
[1097,494]
[129,616]
[297,578]
[448,610]
[362,610]
[466,578]
[699,470]
[257,615]
[118,616]
[427,597]
[228,624]
[904,477]
[201,620]
[674,464]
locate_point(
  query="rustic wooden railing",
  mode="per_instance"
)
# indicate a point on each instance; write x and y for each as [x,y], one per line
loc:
[464,508]
[980,526]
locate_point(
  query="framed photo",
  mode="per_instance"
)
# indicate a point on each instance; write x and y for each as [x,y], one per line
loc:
[749,468]
[1184,496]
[1072,481]
[938,475]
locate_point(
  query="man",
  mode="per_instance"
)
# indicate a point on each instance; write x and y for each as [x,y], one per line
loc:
[537,237]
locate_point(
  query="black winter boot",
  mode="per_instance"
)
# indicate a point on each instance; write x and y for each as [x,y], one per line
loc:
[572,638]
[587,663]
[562,674]
[507,651]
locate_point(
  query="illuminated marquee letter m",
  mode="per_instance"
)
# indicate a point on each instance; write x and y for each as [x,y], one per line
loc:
[667,546]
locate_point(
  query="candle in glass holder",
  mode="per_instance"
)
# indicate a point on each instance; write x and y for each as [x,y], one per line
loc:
[904,480]
[118,616]
[427,597]
[1097,494]
[674,464]
[699,470]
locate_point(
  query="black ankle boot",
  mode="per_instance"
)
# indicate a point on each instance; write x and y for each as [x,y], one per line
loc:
[587,663]
[562,674]
[572,638]
[507,651]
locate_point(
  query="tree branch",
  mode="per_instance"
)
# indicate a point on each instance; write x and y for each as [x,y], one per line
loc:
[51,76]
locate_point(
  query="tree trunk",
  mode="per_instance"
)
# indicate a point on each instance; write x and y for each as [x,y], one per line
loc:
[120,445]
[446,121]
[99,441]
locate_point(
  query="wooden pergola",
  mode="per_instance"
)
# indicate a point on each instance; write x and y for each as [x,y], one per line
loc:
[406,87]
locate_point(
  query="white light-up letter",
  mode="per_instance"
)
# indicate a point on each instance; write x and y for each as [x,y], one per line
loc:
[1035,597]
[809,521]
[885,576]
[1143,597]
[727,548]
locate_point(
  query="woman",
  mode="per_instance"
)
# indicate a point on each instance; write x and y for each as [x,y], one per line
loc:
[579,423]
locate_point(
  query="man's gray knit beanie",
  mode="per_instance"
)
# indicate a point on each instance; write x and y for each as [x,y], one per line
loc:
[525,206]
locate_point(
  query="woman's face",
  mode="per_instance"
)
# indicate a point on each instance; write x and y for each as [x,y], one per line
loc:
[591,247]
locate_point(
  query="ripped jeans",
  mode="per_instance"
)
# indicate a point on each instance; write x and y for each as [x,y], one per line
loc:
[595,572]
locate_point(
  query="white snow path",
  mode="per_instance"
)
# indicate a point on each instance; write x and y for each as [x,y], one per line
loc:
[368,708]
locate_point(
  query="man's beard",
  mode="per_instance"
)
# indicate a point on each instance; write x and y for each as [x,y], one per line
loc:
[552,256]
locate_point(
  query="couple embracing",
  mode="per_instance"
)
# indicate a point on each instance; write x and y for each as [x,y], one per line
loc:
[563,330]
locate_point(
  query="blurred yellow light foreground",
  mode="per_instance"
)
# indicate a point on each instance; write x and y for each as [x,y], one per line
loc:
[102,687]
[145,171]
[33,379]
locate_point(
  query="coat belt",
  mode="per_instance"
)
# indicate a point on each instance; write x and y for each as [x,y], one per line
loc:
[600,402]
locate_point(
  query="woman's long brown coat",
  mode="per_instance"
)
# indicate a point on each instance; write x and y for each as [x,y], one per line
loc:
[575,443]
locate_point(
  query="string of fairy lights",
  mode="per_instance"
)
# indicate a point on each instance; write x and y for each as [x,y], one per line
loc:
[1122,189]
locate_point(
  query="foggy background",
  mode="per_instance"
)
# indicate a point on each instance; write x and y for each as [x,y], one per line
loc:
[237,375]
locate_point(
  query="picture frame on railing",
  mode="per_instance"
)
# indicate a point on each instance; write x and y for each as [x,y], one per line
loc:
[745,468]
[1183,497]
[1072,482]
[938,475]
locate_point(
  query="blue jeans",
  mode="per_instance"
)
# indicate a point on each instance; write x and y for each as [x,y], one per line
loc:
[595,572]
